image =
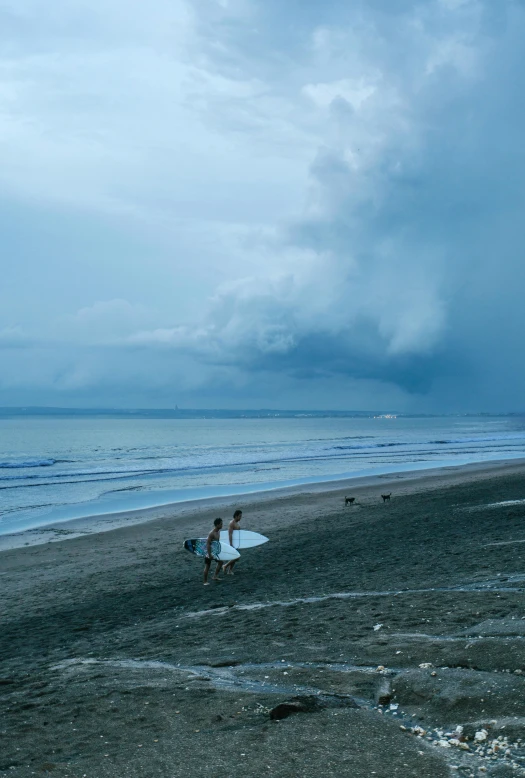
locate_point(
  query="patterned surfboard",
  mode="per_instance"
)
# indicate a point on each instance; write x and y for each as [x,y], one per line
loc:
[220,551]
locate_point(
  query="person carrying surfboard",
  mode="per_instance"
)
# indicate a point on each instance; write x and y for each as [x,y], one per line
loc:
[215,535]
[233,525]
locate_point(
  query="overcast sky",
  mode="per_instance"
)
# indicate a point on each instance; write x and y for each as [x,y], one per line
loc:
[252,203]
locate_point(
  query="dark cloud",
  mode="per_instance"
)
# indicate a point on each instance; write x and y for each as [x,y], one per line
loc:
[322,356]
[434,216]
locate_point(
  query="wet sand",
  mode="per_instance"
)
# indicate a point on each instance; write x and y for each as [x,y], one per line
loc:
[374,623]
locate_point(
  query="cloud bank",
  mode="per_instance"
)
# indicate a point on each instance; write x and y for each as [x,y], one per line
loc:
[313,206]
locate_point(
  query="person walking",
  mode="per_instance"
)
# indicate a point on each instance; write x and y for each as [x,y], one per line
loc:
[233,525]
[215,535]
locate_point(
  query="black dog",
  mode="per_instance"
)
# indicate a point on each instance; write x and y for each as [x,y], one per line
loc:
[349,500]
[386,496]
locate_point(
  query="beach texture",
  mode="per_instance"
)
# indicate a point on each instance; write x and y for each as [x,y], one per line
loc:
[378,639]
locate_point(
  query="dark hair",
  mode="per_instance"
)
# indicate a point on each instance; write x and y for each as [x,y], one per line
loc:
[217,522]
[237,513]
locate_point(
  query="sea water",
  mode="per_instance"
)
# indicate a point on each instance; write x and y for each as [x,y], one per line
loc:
[60,468]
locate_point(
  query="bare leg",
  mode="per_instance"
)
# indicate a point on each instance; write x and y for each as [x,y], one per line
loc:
[217,571]
[229,567]
[207,564]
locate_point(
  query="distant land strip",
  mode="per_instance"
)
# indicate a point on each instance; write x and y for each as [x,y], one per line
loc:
[220,413]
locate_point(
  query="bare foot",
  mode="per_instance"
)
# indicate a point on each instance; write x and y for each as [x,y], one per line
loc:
[206,583]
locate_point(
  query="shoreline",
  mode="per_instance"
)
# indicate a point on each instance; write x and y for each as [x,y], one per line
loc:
[359,641]
[188,511]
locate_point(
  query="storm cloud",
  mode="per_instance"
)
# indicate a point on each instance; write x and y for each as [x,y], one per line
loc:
[311,205]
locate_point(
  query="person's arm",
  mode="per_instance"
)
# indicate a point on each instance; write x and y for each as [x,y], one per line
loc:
[230,533]
[208,546]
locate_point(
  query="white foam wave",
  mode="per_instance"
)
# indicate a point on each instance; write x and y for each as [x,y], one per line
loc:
[28,463]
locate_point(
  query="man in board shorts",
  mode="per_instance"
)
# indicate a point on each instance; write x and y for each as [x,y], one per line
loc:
[234,524]
[215,534]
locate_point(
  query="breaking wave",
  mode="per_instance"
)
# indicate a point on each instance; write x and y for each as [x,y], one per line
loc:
[28,463]
[211,459]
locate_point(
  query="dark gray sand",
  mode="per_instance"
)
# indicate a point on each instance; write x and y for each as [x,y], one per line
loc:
[373,632]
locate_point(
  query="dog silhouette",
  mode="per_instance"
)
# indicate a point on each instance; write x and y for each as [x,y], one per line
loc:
[349,500]
[386,496]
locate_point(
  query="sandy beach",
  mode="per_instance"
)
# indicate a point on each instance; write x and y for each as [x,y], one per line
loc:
[382,638]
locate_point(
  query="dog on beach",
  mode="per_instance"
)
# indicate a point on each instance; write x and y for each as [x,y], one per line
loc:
[349,500]
[386,497]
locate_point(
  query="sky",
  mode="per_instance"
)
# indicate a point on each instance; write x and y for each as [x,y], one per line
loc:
[316,204]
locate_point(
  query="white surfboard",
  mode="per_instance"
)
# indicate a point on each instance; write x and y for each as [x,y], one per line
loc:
[243,538]
[222,552]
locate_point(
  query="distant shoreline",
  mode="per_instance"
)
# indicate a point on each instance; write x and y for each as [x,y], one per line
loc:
[389,414]
[407,481]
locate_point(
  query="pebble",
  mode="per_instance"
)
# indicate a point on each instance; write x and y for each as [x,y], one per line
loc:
[481,735]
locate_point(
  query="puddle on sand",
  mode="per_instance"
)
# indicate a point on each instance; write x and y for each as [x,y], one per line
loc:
[488,506]
[484,586]
[227,678]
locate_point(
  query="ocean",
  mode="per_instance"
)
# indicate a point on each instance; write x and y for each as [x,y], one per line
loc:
[58,468]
